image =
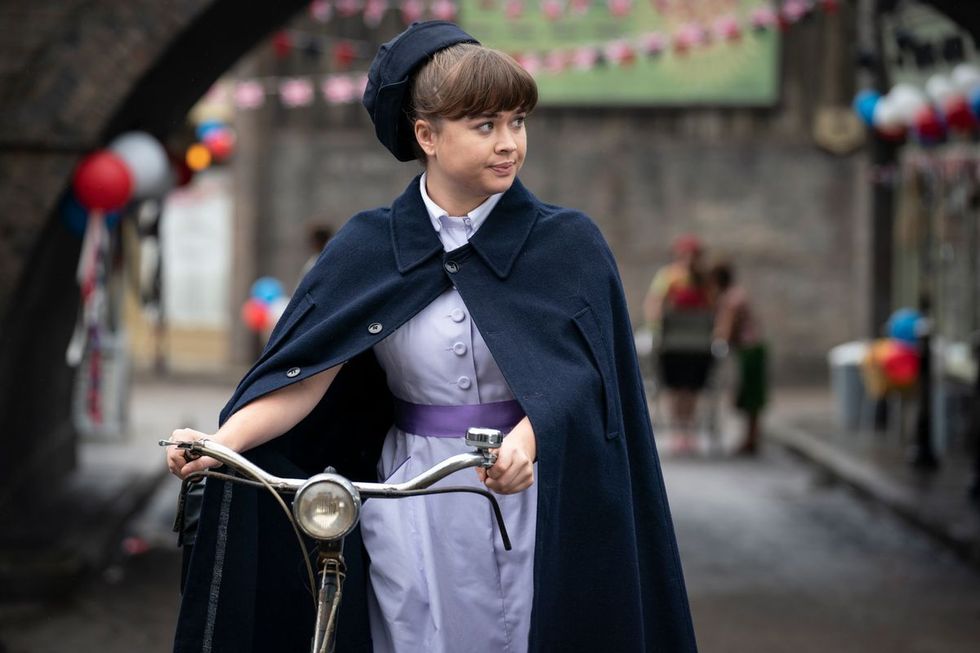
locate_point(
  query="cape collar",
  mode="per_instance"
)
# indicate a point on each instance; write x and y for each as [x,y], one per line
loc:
[498,242]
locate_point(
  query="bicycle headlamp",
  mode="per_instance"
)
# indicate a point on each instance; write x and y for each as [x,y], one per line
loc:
[326,507]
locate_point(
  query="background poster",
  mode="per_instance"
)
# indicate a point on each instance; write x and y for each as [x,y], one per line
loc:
[636,52]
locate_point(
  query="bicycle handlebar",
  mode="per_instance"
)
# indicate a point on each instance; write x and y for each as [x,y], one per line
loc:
[205,447]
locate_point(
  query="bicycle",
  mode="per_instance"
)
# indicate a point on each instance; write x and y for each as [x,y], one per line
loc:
[326,507]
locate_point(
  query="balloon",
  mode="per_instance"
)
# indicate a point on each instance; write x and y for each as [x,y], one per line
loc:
[103,182]
[907,101]
[220,142]
[267,289]
[966,77]
[277,307]
[900,364]
[198,157]
[865,103]
[886,119]
[929,127]
[206,127]
[147,161]
[902,325]
[255,314]
[958,114]
[974,101]
[75,216]
[939,88]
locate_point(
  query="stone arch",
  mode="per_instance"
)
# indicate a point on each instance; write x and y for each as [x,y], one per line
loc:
[73,73]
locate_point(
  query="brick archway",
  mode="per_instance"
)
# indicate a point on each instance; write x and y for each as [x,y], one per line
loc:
[72,75]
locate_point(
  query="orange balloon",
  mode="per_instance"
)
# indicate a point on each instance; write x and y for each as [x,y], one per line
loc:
[198,157]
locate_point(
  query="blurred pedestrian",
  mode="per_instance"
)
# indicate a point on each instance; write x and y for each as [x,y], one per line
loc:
[317,236]
[737,329]
[467,302]
[678,309]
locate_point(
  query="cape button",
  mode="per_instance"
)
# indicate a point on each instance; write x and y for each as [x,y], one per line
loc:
[293,372]
[457,315]
[451,267]
[464,382]
[459,348]
[375,328]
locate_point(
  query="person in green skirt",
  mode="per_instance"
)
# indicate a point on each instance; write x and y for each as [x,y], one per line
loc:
[737,329]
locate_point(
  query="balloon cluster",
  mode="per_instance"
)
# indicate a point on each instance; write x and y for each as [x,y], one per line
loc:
[134,166]
[215,144]
[948,103]
[265,305]
[893,363]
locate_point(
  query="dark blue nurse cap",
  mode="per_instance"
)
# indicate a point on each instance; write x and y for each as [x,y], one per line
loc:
[386,94]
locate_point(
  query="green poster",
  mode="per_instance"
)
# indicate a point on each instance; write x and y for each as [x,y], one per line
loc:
[635,52]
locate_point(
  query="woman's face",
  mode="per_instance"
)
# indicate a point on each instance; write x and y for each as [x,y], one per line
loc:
[472,158]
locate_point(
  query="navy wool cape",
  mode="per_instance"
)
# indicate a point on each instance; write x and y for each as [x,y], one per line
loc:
[544,290]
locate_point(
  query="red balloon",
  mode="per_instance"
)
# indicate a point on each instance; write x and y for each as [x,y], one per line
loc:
[255,315]
[344,54]
[103,182]
[220,142]
[958,114]
[900,363]
[928,126]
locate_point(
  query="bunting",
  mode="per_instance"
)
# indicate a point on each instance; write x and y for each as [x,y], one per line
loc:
[784,12]
[296,92]
[341,87]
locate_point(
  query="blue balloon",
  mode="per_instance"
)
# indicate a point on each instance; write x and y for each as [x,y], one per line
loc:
[864,105]
[267,289]
[974,100]
[207,126]
[75,216]
[902,325]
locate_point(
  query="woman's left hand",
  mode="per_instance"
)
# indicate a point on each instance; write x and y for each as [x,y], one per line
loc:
[514,470]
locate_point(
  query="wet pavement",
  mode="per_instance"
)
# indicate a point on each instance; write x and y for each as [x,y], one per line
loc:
[777,560]
[778,557]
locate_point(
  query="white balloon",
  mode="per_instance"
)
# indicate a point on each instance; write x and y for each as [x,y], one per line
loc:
[940,88]
[277,307]
[147,162]
[966,77]
[886,116]
[907,101]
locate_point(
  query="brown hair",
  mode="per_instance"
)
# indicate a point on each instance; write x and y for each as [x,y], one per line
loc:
[467,80]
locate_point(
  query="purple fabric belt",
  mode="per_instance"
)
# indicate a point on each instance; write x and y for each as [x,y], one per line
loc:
[453,421]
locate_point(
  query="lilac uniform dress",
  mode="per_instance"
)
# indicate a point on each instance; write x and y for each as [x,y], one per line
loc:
[440,579]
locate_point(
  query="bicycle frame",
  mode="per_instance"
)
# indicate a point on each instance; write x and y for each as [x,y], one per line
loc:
[330,559]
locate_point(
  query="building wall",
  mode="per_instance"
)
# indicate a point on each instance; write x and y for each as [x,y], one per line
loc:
[750,181]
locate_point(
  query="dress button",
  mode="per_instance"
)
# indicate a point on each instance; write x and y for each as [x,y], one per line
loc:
[375,328]
[451,267]
[457,315]
[464,382]
[459,348]
[293,372]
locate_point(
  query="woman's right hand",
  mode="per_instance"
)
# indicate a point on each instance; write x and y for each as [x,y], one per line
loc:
[181,465]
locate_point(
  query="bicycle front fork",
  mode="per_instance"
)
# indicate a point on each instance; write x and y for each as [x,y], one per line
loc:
[332,573]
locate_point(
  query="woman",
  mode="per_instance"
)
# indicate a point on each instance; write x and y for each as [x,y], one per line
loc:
[468,297]
[678,308]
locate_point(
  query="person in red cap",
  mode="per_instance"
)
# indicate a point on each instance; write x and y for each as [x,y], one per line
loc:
[467,302]
[678,310]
